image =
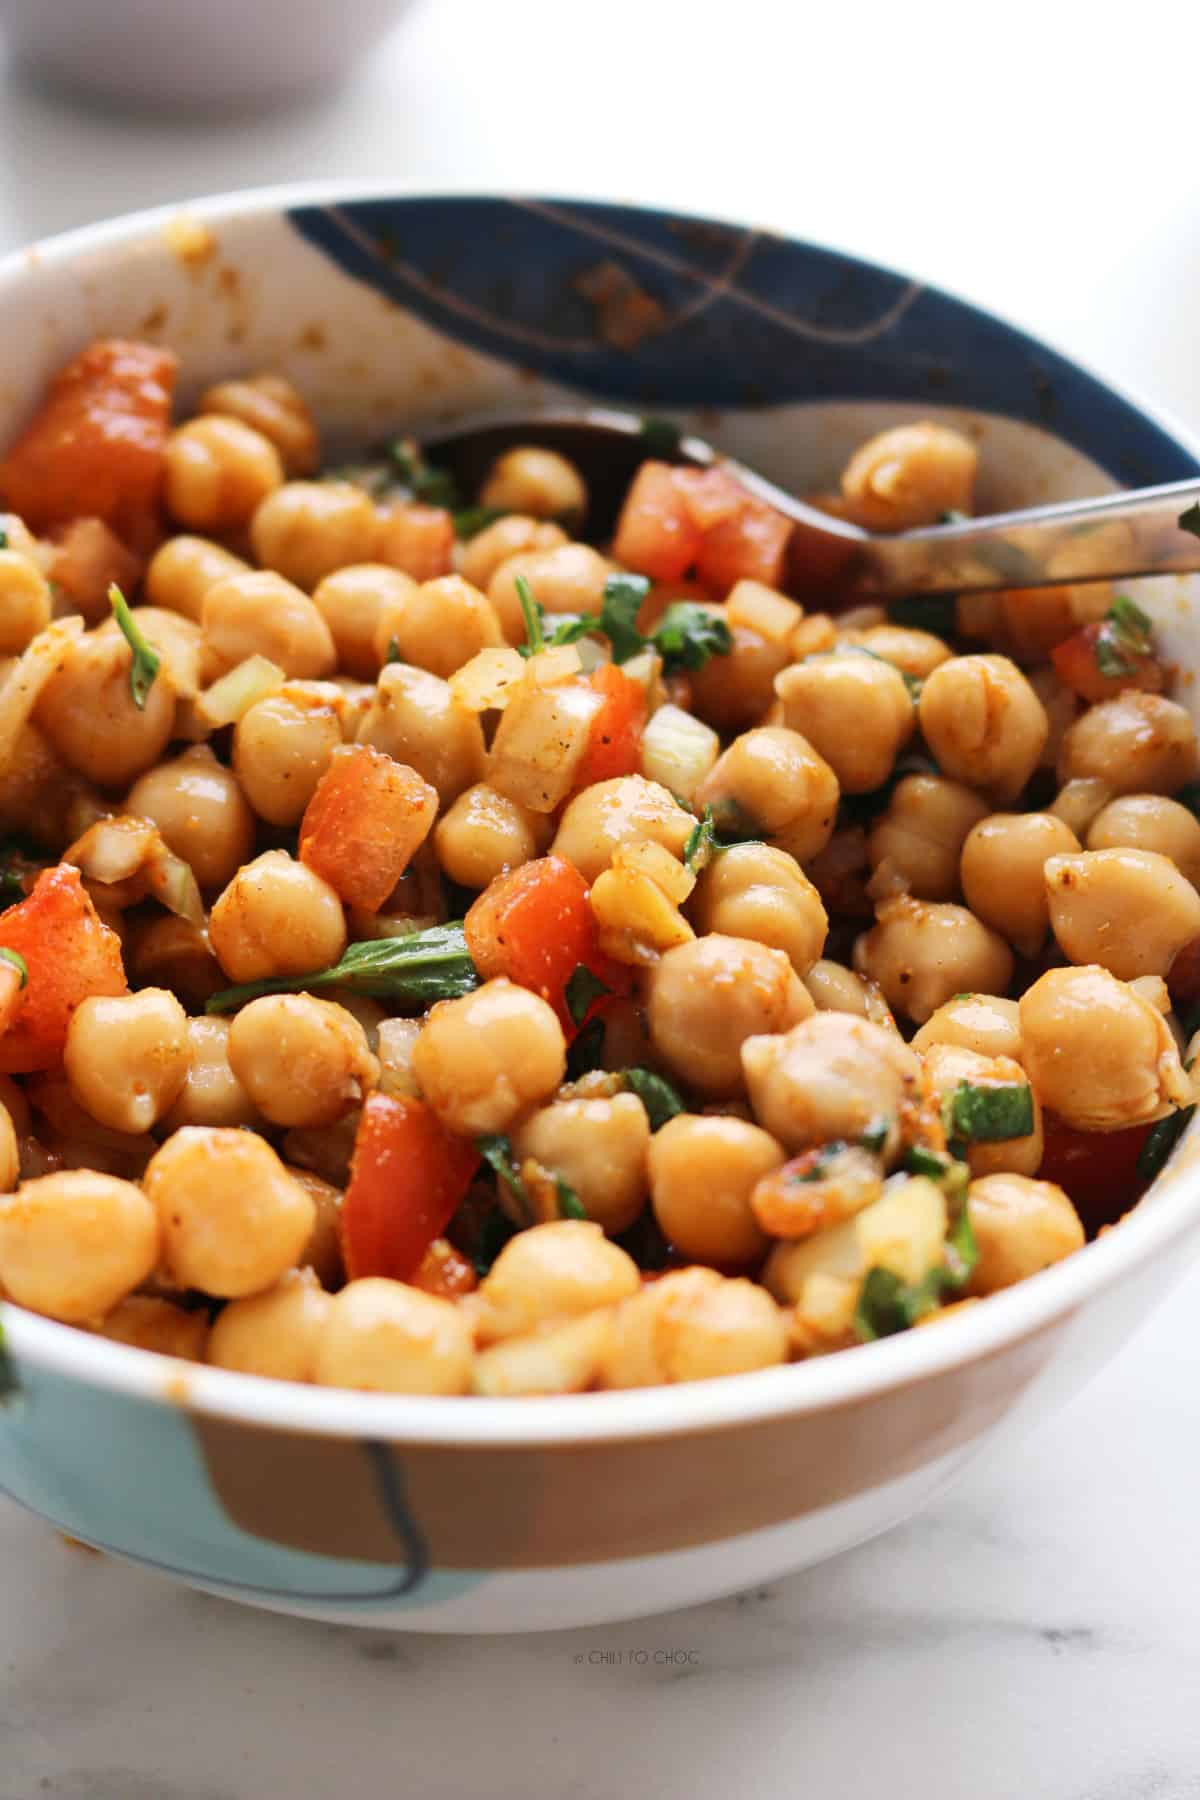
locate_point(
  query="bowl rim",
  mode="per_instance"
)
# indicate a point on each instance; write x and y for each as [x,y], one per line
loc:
[1042,1302]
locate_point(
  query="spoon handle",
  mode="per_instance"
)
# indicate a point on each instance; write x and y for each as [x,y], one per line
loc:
[1119,535]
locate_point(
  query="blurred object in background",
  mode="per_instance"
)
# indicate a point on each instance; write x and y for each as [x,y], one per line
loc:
[211,54]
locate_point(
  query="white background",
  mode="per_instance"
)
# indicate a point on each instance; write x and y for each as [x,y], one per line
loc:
[1034,1635]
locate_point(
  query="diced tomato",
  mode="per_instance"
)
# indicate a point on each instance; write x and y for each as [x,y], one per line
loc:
[615,744]
[535,926]
[418,539]
[750,545]
[368,817]
[1097,1169]
[710,495]
[1077,664]
[407,1177]
[69,953]
[656,532]
[88,559]
[94,448]
[445,1271]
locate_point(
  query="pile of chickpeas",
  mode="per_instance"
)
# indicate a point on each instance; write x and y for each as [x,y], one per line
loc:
[958,872]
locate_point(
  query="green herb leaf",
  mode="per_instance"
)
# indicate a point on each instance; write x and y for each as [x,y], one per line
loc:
[1162,1138]
[822,1162]
[416,969]
[1190,520]
[1113,656]
[876,1135]
[954,515]
[990,1115]
[624,596]
[721,828]
[17,961]
[1128,616]
[393,652]
[469,521]
[688,635]
[494,1233]
[661,439]
[570,1206]
[926,612]
[435,487]
[659,1098]
[587,1050]
[887,1305]
[582,989]
[146,661]
[531,612]
[3,538]
[571,630]
[496,1151]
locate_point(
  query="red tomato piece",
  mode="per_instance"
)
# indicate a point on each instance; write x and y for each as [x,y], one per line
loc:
[614,746]
[95,446]
[69,954]
[656,532]
[408,1176]
[1096,1169]
[368,817]
[751,545]
[535,926]
[445,1271]
[710,495]
[1077,664]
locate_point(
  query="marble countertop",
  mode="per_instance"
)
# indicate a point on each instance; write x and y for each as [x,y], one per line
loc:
[1034,1634]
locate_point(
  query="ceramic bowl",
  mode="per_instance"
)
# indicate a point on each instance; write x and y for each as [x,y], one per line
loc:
[487,1515]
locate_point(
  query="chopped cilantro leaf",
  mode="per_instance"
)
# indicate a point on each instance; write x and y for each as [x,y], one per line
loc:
[688,635]
[143,669]
[582,989]
[659,1098]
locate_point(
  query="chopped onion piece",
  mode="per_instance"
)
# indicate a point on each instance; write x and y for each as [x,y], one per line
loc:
[678,750]
[22,686]
[113,849]
[171,882]
[656,862]
[487,681]
[551,666]
[541,740]
[255,679]
[763,609]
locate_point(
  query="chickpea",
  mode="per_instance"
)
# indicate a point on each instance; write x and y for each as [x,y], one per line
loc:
[599,1148]
[755,891]
[183,570]
[1020,1227]
[703,1170]
[507,537]
[302,1061]
[913,652]
[353,602]
[127,1057]
[948,1065]
[484,834]
[201,812]
[273,406]
[387,1338]
[307,529]
[560,1359]
[149,1323]
[276,917]
[416,719]
[734,691]
[73,1244]
[216,471]
[625,810]
[277,1333]
[821,695]
[1135,743]
[211,1093]
[980,1022]
[24,601]
[692,1325]
[832,1076]
[983,723]
[326,1152]
[1002,864]
[568,578]
[774,778]
[442,624]
[909,476]
[323,1251]
[88,713]
[281,748]
[1080,802]
[539,482]
[484,1060]
[1131,911]
[552,1272]
[835,988]
[915,846]
[922,953]
[707,997]
[262,614]
[10,1156]
[1097,1054]
[1150,822]
[233,1219]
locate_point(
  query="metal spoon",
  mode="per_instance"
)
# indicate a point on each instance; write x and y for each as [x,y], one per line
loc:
[1124,534]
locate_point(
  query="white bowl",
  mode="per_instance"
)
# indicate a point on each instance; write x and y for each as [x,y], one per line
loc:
[473,1515]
